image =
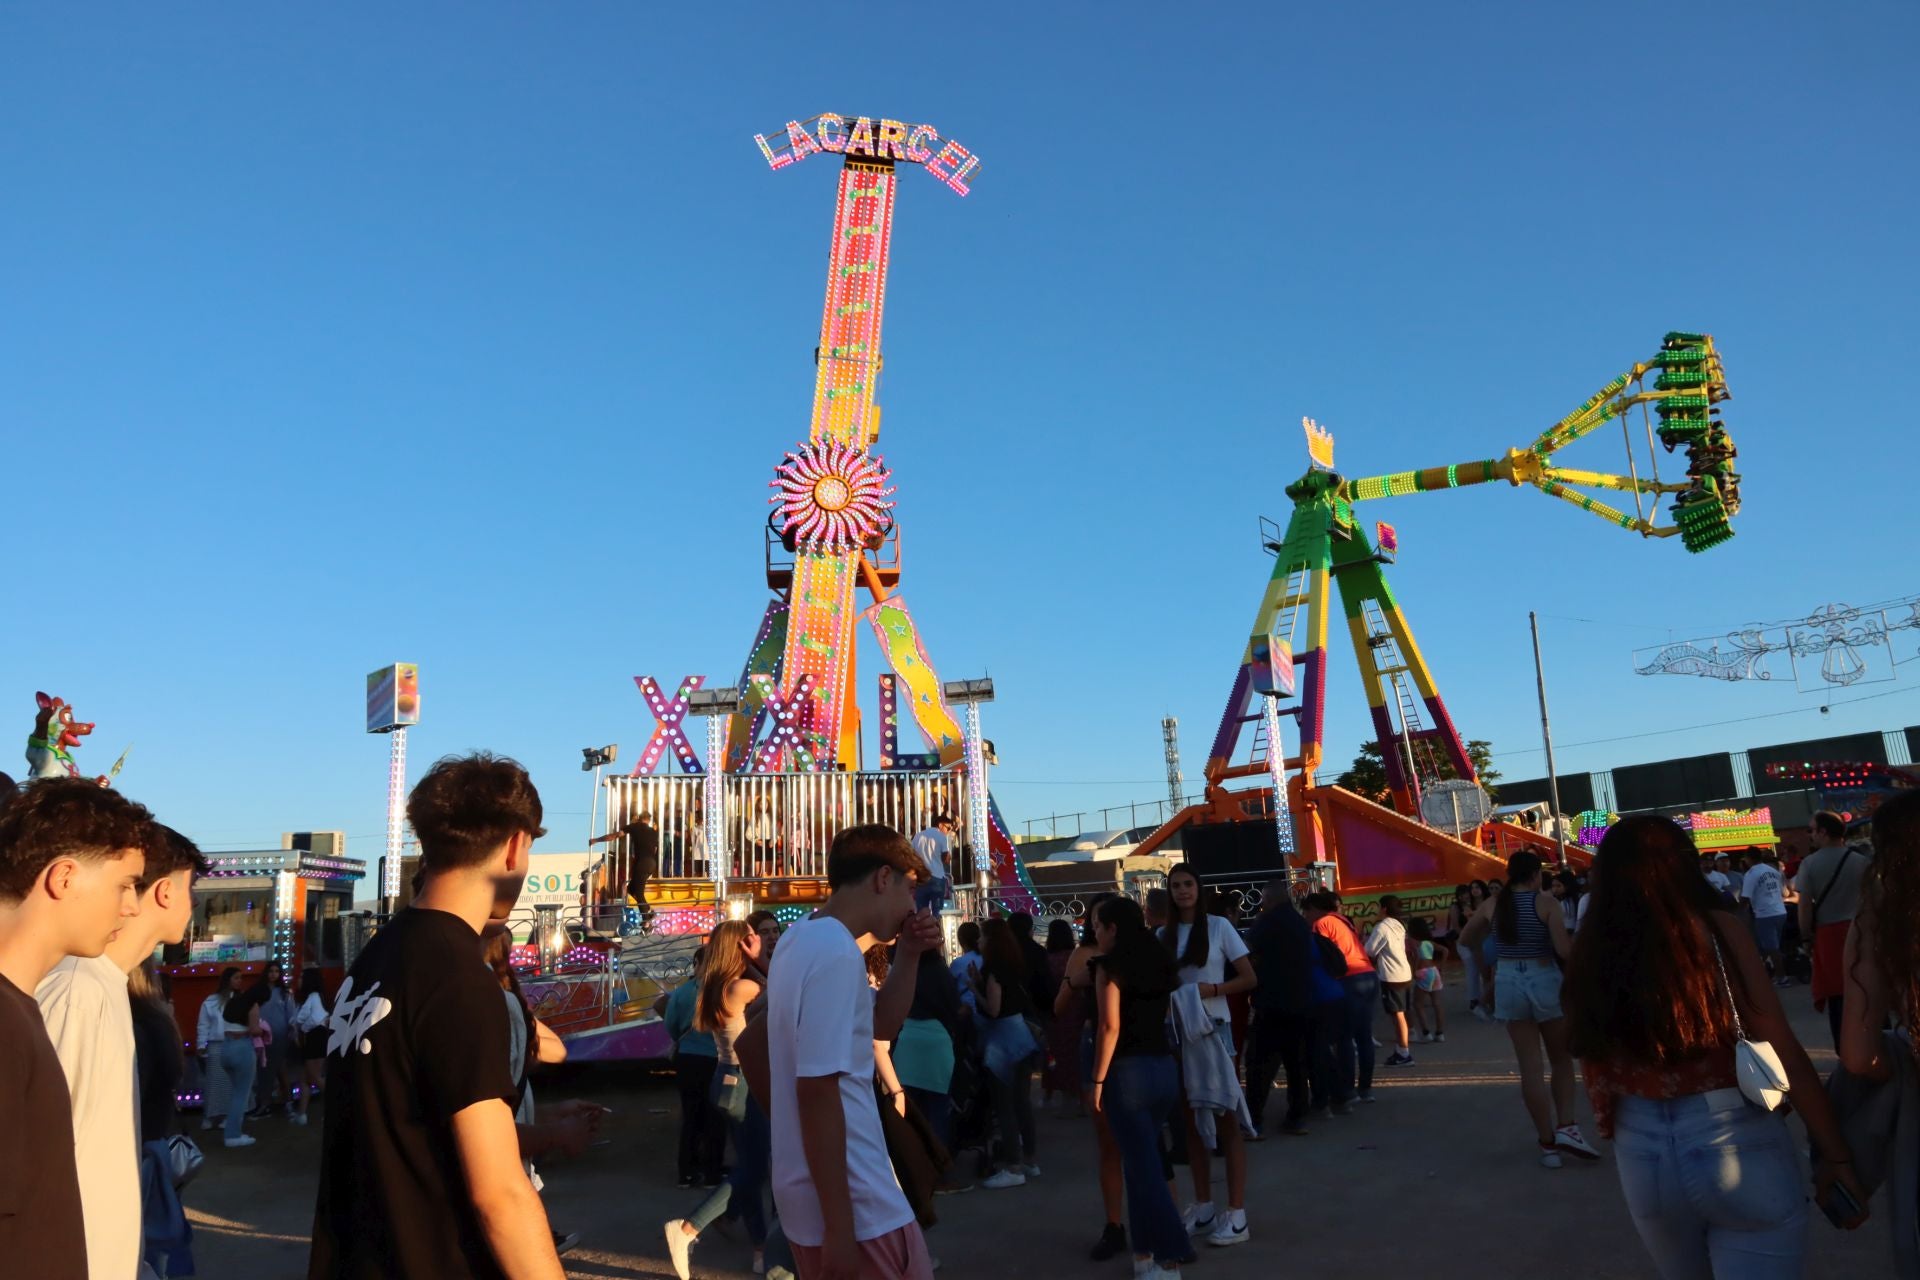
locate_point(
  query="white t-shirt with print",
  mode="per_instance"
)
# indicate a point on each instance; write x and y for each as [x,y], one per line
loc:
[1762,888]
[1224,946]
[820,1023]
[84,1004]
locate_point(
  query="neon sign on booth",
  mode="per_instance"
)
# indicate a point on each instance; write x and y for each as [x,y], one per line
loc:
[953,164]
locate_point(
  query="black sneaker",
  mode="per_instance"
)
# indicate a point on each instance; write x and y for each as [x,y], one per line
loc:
[1112,1243]
[564,1243]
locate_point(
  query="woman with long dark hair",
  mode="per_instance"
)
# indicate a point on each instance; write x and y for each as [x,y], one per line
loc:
[216,1089]
[1060,1076]
[1529,935]
[1662,982]
[1074,1003]
[728,984]
[1882,967]
[1207,949]
[1010,1050]
[1135,1083]
[923,1054]
[310,1046]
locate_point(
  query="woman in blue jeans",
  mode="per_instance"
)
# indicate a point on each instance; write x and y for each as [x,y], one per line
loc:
[240,1023]
[1662,981]
[1135,1084]
[1528,933]
[728,983]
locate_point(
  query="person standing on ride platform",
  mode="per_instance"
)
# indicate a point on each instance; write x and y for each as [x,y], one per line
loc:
[1829,886]
[935,845]
[643,859]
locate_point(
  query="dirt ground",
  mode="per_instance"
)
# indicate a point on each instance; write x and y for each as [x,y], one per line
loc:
[1438,1176]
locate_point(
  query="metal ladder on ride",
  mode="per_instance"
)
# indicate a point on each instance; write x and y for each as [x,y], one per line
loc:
[1391,666]
[1286,623]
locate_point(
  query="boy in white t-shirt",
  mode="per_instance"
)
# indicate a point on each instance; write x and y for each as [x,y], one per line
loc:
[840,1204]
[84,1004]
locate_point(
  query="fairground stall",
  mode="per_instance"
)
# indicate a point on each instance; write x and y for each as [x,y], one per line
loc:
[290,905]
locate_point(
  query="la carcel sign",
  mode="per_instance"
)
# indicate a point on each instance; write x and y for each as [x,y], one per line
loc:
[880,139]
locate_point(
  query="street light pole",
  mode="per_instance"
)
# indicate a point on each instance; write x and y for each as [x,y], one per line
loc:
[1546,734]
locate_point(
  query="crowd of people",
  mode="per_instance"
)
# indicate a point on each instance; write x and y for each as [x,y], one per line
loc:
[844,1067]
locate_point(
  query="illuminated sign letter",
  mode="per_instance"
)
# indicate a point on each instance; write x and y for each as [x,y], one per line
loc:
[832,130]
[893,139]
[860,142]
[955,154]
[917,139]
[799,141]
[773,161]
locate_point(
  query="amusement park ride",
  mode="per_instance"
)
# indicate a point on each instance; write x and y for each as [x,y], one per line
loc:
[1375,848]
[749,825]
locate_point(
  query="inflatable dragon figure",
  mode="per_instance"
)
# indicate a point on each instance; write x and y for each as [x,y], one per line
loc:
[56,733]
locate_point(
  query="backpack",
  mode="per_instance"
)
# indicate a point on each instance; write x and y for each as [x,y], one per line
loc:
[1331,958]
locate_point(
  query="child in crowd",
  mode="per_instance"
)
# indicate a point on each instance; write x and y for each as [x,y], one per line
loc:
[1427,982]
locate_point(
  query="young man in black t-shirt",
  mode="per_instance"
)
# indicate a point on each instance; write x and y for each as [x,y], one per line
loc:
[421,1172]
[71,856]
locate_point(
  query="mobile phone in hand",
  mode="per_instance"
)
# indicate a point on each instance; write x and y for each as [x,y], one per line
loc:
[1840,1206]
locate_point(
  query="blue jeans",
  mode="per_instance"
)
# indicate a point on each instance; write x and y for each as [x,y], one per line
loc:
[740,1195]
[1714,1186]
[237,1060]
[1138,1096]
[934,894]
[938,1110]
[1354,1071]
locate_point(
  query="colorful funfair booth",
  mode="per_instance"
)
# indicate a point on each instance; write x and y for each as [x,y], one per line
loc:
[293,905]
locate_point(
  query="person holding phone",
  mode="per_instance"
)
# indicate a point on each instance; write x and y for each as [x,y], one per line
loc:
[1659,973]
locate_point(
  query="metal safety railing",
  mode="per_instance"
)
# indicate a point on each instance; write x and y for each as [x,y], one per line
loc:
[779,825]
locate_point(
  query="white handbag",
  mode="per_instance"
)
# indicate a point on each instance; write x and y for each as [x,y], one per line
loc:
[1762,1076]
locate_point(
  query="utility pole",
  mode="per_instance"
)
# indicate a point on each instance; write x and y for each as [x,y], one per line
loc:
[1170,738]
[1546,733]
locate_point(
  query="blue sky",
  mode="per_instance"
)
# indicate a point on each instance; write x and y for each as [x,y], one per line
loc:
[468,335]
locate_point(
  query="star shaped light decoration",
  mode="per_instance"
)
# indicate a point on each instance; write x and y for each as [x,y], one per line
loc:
[831,496]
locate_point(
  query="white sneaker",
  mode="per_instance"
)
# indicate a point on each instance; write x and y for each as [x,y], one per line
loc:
[1225,1233]
[297,1118]
[1008,1177]
[1439,1037]
[1426,1037]
[679,1246]
[244,1140]
[1550,1158]
[1197,1218]
[206,1123]
[1569,1139]
[1032,1170]
[1480,1012]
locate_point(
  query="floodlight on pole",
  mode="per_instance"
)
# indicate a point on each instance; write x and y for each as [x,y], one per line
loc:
[968,691]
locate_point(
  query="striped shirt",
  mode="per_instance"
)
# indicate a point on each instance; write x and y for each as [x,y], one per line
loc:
[1531,940]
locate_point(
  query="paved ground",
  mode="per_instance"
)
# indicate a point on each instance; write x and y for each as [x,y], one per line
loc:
[1438,1177]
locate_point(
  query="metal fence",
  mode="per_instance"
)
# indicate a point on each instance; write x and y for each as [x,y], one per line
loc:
[779,825]
[1244,893]
[1113,818]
